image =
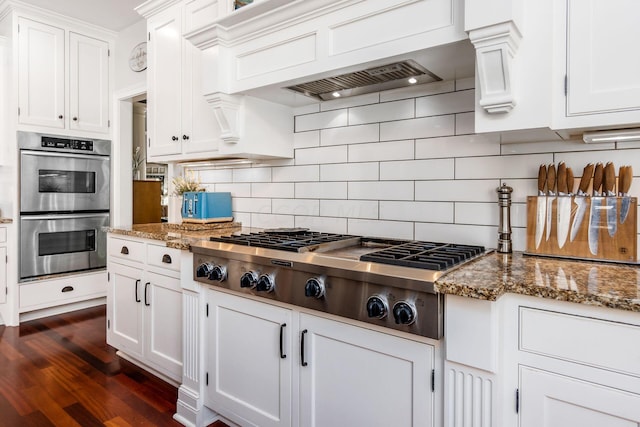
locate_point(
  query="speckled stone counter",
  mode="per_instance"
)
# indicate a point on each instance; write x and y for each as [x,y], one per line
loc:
[179,236]
[593,283]
[5,220]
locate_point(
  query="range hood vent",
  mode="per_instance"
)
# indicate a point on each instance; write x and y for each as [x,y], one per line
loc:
[390,76]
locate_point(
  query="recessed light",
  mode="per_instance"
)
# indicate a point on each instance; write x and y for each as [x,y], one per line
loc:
[412,80]
[336,94]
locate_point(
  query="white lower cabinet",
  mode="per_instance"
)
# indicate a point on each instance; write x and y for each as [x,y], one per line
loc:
[271,366]
[552,400]
[144,306]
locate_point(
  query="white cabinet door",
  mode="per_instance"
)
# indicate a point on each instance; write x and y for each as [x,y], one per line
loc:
[163,323]
[199,123]
[88,83]
[248,377]
[41,74]
[359,377]
[164,81]
[125,322]
[3,275]
[551,400]
[603,70]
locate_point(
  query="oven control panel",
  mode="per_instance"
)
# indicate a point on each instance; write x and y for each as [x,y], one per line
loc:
[71,144]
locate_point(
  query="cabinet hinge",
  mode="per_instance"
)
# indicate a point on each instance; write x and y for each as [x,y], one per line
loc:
[517,400]
[6,259]
[18,27]
[18,110]
[566,85]
[108,123]
[433,380]
[207,310]
[108,52]
[6,290]
[149,142]
[108,324]
[108,276]
[149,36]
[206,378]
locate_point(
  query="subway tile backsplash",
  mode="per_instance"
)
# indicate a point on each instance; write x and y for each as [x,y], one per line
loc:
[406,164]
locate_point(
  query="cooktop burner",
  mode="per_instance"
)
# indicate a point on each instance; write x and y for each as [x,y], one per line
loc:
[405,253]
[425,255]
[298,241]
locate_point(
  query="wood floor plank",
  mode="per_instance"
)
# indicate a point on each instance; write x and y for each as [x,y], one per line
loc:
[59,371]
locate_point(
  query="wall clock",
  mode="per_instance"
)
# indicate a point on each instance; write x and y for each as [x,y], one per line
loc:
[138,57]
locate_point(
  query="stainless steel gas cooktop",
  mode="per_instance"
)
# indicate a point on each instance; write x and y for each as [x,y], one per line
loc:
[386,282]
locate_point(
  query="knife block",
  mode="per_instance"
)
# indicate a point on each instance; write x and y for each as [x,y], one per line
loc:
[621,247]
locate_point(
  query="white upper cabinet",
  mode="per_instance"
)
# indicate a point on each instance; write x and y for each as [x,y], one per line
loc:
[563,65]
[603,74]
[63,78]
[88,83]
[41,74]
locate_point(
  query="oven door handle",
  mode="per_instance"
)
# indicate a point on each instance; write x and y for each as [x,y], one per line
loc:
[98,157]
[64,216]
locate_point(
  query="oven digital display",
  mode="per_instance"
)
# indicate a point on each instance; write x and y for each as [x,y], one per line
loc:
[72,144]
[62,181]
[66,242]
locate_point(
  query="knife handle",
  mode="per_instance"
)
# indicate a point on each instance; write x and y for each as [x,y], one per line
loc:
[570,179]
[551,179]
[563,186]
[609,180]
[542,179]
[587,174]
[627,173]
[598,176]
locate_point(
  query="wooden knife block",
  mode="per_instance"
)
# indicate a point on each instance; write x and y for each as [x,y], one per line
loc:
[621,247]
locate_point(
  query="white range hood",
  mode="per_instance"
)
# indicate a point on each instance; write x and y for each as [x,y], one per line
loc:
[262,48]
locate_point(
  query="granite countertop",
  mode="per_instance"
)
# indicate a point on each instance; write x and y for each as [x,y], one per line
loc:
[179,236]
[594,283]
[4,220]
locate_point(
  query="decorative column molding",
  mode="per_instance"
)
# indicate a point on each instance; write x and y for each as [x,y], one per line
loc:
[228,112]
[496,46]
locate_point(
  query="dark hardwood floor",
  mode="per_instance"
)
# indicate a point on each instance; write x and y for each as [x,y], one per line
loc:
[59,371]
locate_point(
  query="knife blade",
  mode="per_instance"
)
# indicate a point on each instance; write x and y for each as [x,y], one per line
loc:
[596,205]
[608,185]
[541,204]
[581,201]
[551,192]
[625,176]
[563,204]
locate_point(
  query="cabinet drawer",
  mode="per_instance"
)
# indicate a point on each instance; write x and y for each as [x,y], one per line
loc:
[126,249]
[595,342]
[3,234]
[162,256]
[49,293]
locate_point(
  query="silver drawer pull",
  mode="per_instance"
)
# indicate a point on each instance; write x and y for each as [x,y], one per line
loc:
[67,289]
[166,259]
[124,250]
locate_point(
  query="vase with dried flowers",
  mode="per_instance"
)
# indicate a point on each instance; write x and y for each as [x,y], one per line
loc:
[136,162]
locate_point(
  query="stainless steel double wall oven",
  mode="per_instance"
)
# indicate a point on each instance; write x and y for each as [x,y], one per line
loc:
[64,203]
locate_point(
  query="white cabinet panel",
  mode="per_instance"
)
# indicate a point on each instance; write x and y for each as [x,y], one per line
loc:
[359,377]
[247,375]
[3,274]
[41,71]
[551,400]
[603,74]
[125,309]
[88,83]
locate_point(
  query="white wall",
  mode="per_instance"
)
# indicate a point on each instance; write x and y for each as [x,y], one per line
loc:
[402,164]
[127,40]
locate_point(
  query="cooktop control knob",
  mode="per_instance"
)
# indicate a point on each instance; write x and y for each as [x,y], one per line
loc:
[218,273]
[265,283]
[314,288]
[377,307]
[204,270]
[404,313]
[249,280]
